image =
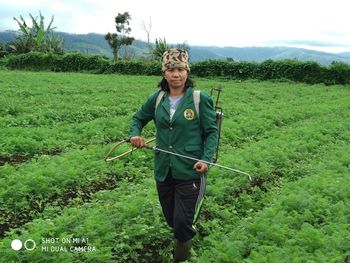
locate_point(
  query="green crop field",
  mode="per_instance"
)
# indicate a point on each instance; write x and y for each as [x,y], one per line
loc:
[64,203]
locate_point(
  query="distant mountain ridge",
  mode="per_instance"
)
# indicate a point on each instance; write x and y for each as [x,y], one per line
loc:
[93,43]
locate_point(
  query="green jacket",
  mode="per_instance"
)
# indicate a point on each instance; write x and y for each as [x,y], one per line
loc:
[184,134]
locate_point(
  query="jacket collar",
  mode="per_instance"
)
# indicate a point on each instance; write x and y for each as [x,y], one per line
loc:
[187,98]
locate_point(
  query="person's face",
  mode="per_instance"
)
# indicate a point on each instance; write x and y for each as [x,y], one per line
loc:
[176,77]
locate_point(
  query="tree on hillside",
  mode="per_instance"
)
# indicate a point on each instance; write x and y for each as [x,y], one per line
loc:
[116,40]
[36,38]
[2,50]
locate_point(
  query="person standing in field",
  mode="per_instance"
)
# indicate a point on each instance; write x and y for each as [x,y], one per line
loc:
[180,129]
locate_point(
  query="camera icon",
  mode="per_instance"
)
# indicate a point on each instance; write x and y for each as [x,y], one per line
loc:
[17,244]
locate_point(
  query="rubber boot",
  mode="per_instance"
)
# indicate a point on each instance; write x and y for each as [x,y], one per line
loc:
[182,250]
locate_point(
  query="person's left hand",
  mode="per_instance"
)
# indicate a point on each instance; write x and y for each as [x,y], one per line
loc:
[200,167]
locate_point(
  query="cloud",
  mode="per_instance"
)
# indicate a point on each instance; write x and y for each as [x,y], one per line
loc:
[307,42]
[315,23]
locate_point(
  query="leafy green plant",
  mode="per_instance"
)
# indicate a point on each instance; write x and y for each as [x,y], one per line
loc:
[36,38]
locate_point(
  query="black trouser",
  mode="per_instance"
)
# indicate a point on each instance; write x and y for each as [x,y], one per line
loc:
[181,201]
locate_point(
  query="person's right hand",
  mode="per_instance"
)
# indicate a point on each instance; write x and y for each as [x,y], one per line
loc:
[137,141]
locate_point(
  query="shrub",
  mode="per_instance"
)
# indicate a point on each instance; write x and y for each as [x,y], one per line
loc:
[308,72]
[339,73]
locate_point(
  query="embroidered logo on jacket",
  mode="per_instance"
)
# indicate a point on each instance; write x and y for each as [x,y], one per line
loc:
[189,114]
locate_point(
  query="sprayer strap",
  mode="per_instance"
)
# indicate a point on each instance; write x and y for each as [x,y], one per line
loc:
[196,100]
[159,98]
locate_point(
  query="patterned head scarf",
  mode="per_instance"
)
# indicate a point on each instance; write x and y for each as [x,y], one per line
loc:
[175,58]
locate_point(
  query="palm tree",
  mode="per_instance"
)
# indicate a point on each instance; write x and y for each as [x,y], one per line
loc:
[160,48]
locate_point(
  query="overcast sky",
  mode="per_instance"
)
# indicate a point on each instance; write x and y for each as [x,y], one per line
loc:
[314,24]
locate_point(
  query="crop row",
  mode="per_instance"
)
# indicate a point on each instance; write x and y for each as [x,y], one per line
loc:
[251,123]
[118,223]
[34,141]
[42,99]
[305,221]
[284,154]
[62,172]
[134,233]
[135,237]
[51,123]
[26,189]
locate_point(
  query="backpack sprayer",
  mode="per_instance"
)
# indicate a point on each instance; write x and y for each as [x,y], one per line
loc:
[219,117]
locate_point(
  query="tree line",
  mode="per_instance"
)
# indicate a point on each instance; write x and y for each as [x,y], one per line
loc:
[39,48]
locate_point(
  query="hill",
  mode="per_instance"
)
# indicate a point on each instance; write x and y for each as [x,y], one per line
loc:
[345,54]
[259,54]
[93,43]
